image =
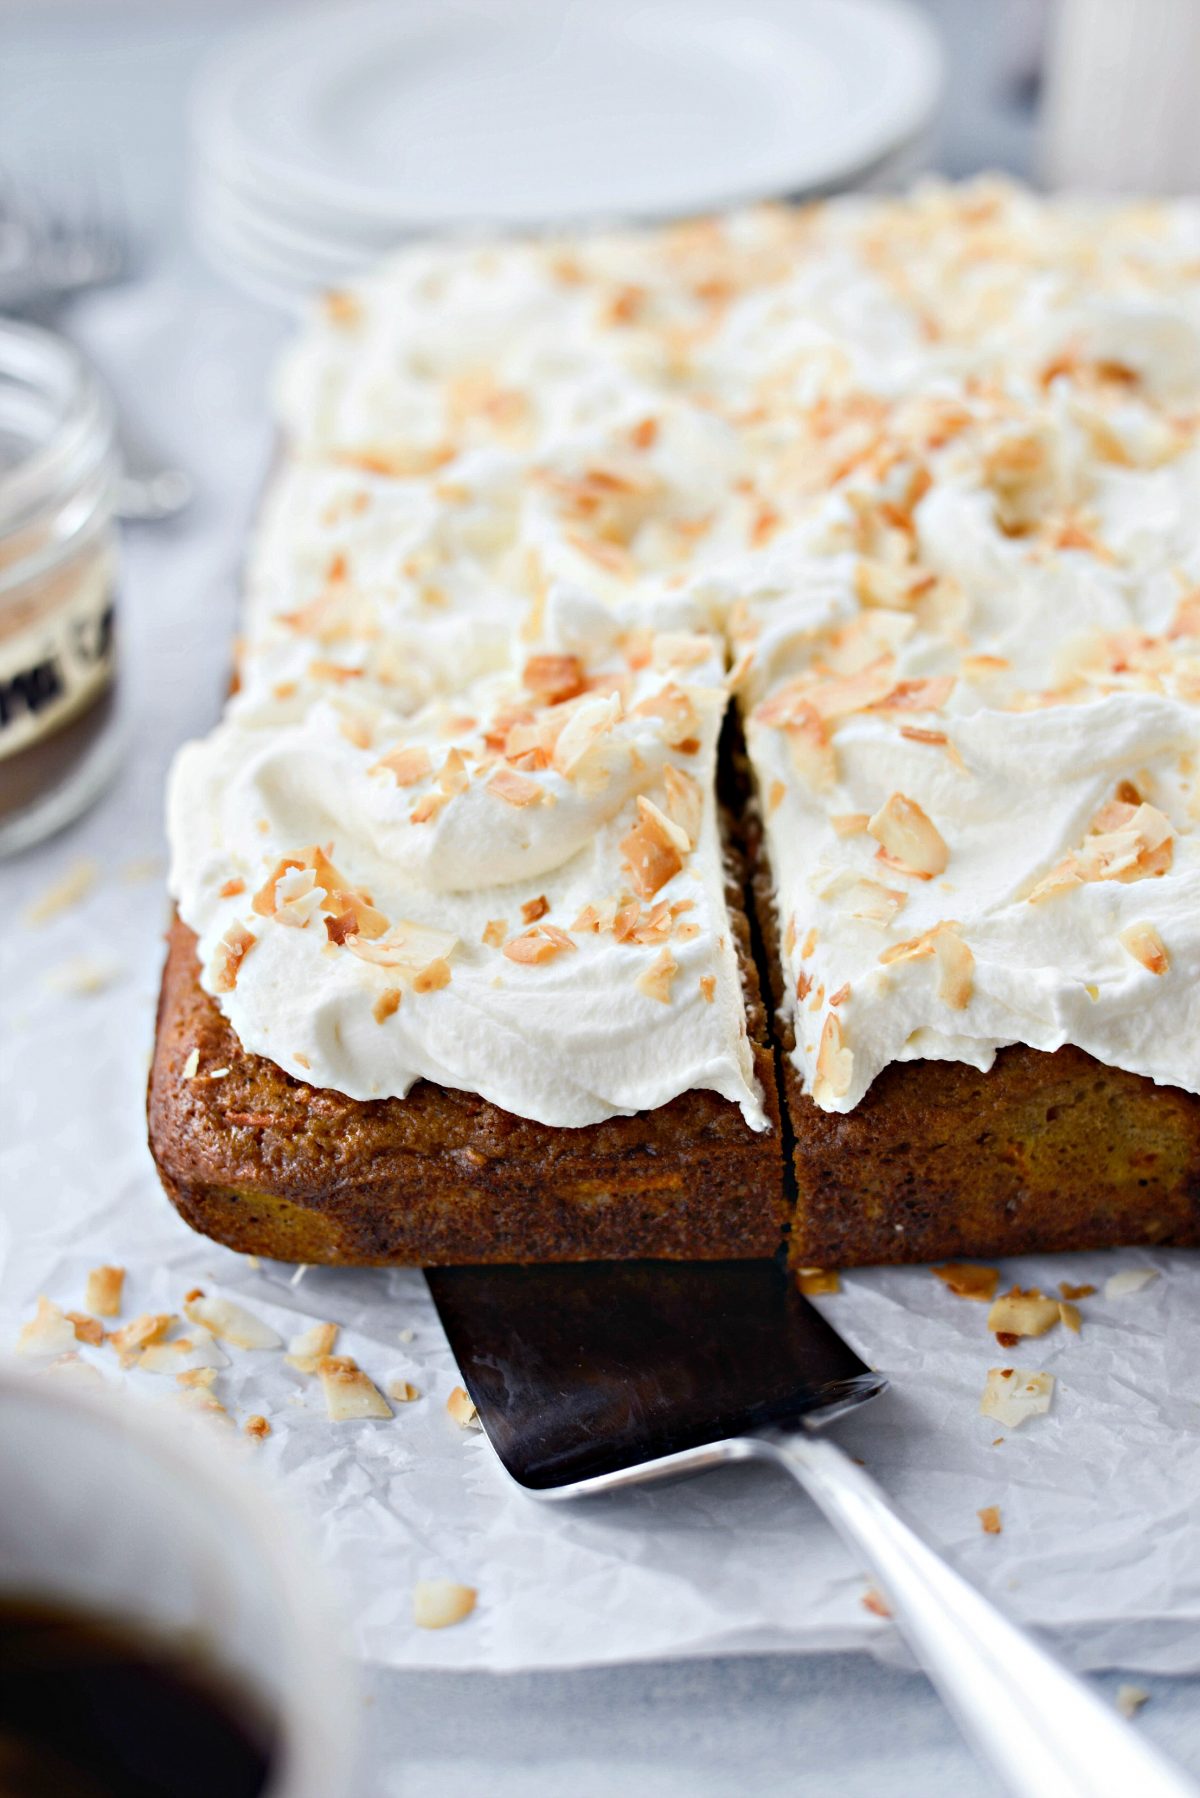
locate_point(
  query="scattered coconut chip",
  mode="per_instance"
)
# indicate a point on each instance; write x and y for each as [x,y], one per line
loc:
[1019,1313]
[349,1392]
[968,1280]
[956,967]
[72,1366]
[835,1062]
[1134,1279]
[1130,1699]
[1145,945]
[311,1346]
[909,840]
[387,1003]
[514,788]
[989,1520]
[540,944]
[815,1280]
[406,766]
[1070,1316]
[431,978]
[67,891]
[191,1065]
[87,1329]
[102,1294]
[874,1601]
[231,952]
[256,1427]
[1013,1394]
[133,1337]
[655,983]
[230,1322]
[653,850]
[198,1350]
[708,987]
[437,1603]
[197,1379]
[1075,1292]
[403,1391]
[494,932]
[81,976]
[49,1332]
[461,1407]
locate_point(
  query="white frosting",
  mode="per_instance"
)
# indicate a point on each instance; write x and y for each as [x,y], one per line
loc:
[950,440]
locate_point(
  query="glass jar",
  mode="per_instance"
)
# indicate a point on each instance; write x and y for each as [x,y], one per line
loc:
[59,735]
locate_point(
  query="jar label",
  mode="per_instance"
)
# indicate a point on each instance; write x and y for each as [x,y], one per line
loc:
[56,666]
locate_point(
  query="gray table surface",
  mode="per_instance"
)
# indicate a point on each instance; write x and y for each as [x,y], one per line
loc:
[87,83]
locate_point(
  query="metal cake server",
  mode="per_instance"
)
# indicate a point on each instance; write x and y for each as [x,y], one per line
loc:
[591,1377]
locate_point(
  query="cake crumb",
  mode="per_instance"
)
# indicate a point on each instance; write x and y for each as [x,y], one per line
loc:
[989,1520]
[69,890]
[814,1280]
[438,1603]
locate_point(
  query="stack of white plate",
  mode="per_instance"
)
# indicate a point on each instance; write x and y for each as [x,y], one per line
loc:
[323,140]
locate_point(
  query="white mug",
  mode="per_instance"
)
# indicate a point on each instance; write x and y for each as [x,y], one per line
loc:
[111,1504]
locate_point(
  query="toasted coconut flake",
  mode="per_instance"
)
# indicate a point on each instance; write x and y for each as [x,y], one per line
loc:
[1013,1394]
[72,1366]
[874,1601]
[461,1407]
[514,789]
[538,945]
[49,1332]
[231,1322]
[407,767]
[198,1350]
[685,802]
[1145,945]
[1133,1279]
[200,1379]
[265,901]
[1019,1313]
[311,1346]
[256,1427]
[431,978]
[102,1294]
[835,1062]
[909,839]
[655,983]
[387,1003]
[139,1332]
[1070,1317]
[553,678]
[956,967]
[813,1281]
[989,1520]
[403,1391]
[87,1329]
[349,1393]
[968,1280]
[1069,1291]
[191,1065]
[438,1603]
[231,952]
[533,909]
[494,932]
[69,890]
[680,722]
[407,945]
[589,723]
[708,988]
[849,824]
[653,850]
[1130,1699]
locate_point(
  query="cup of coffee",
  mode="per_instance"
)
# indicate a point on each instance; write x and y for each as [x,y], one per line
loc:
[163,1628]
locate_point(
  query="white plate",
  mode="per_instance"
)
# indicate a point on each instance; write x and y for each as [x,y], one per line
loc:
[385,119]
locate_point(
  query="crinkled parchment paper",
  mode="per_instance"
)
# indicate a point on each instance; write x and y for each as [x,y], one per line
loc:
[1101,1538]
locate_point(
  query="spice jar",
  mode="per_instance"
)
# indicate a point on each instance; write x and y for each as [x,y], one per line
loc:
[58,696]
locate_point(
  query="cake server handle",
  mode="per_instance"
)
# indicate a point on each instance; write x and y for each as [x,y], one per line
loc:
[1043,1732]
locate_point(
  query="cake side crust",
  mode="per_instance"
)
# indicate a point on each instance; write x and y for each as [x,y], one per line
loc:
[270,1166]
[1046,1152]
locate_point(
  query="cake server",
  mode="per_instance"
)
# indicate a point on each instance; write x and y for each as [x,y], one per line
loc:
[592,1377]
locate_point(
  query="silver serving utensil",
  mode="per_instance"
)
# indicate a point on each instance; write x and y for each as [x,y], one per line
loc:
[597,1376]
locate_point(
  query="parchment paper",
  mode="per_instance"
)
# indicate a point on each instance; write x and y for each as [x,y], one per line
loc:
[1099,1499]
